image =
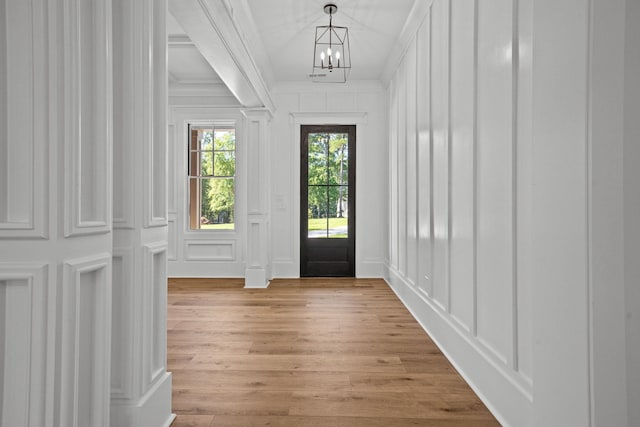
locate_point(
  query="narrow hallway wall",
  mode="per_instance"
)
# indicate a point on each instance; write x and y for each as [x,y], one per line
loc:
[460,193]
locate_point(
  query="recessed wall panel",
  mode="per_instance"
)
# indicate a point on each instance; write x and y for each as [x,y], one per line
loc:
[172,237]
[495,177]
[126,125]
[15,352]
[87,409]
[343,102]
[424,153]
[393,177]
[18,111]
[411,167]
[401,171]
[92,168]
[218,250]
[313,102]
[159,107]
[462,162]
[88,134]
[23,348]
[524,166]
[122,316]
[4,137]
[172,178]
[23,141]
[440,161]
[86,337]
[254,199]
[159,298]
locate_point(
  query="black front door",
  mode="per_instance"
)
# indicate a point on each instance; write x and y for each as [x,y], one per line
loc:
[327,200]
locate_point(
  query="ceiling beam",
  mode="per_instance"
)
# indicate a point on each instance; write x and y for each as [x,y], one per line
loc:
[210,26]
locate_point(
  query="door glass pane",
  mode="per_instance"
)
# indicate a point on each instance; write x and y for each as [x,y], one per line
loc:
[338,159]
[339,213]
[328,173]
[317,158]
[317,213]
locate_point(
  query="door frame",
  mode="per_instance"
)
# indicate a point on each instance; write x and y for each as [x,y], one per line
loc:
[350,241]
[296,120]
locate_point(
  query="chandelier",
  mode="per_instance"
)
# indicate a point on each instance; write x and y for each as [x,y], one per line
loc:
[331,53]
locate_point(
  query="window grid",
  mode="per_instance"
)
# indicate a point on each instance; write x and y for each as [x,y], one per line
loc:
[211,175]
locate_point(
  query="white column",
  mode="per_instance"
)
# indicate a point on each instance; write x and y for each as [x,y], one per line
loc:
[55,212]
[258,260]
[140,384]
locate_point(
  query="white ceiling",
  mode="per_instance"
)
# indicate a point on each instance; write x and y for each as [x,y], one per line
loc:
[287,30]
[279,35]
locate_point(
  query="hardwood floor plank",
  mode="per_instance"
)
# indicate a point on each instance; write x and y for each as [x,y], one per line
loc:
[387,405]
[201,380]
[231,402]
[193,421]
[427,383]
[297,363]
[308,353]
[317,347]
[333,421]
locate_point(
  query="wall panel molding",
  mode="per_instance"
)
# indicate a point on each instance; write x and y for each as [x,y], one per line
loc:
[85,341]
[173,145]
[123,315]
[472,139]
[210,250]
[87,117]
[204,253]
[154,320]
[424,171]
[23,120]
[24,353]
[156,148]
[507,395]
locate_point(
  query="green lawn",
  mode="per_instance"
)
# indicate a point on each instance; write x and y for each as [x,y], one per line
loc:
[314,224]
[217,226]
[321,223]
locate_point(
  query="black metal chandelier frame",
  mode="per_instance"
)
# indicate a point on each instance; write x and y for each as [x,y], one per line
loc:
[332,52]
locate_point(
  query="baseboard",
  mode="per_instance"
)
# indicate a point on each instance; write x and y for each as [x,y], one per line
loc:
[256,278]
[152,410]
[503,394]
[370,269]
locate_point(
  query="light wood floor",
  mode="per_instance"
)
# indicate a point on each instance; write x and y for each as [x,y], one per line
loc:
[308,353]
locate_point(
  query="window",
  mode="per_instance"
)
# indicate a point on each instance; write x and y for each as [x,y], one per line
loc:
[212,176]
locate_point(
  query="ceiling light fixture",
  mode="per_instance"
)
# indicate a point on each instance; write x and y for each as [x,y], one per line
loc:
[331,53]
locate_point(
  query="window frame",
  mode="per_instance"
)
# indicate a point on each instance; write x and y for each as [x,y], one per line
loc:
[189,190]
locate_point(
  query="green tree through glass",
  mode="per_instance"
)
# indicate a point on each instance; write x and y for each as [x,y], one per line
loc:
[218,168]
[327,180]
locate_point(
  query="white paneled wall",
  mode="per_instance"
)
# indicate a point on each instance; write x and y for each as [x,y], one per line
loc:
[258,254]
[523,130]
[23,120]
[632,208]
[140,385]
[23,352]
[456,177]
[66,68]
[204,253]
[55,212]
